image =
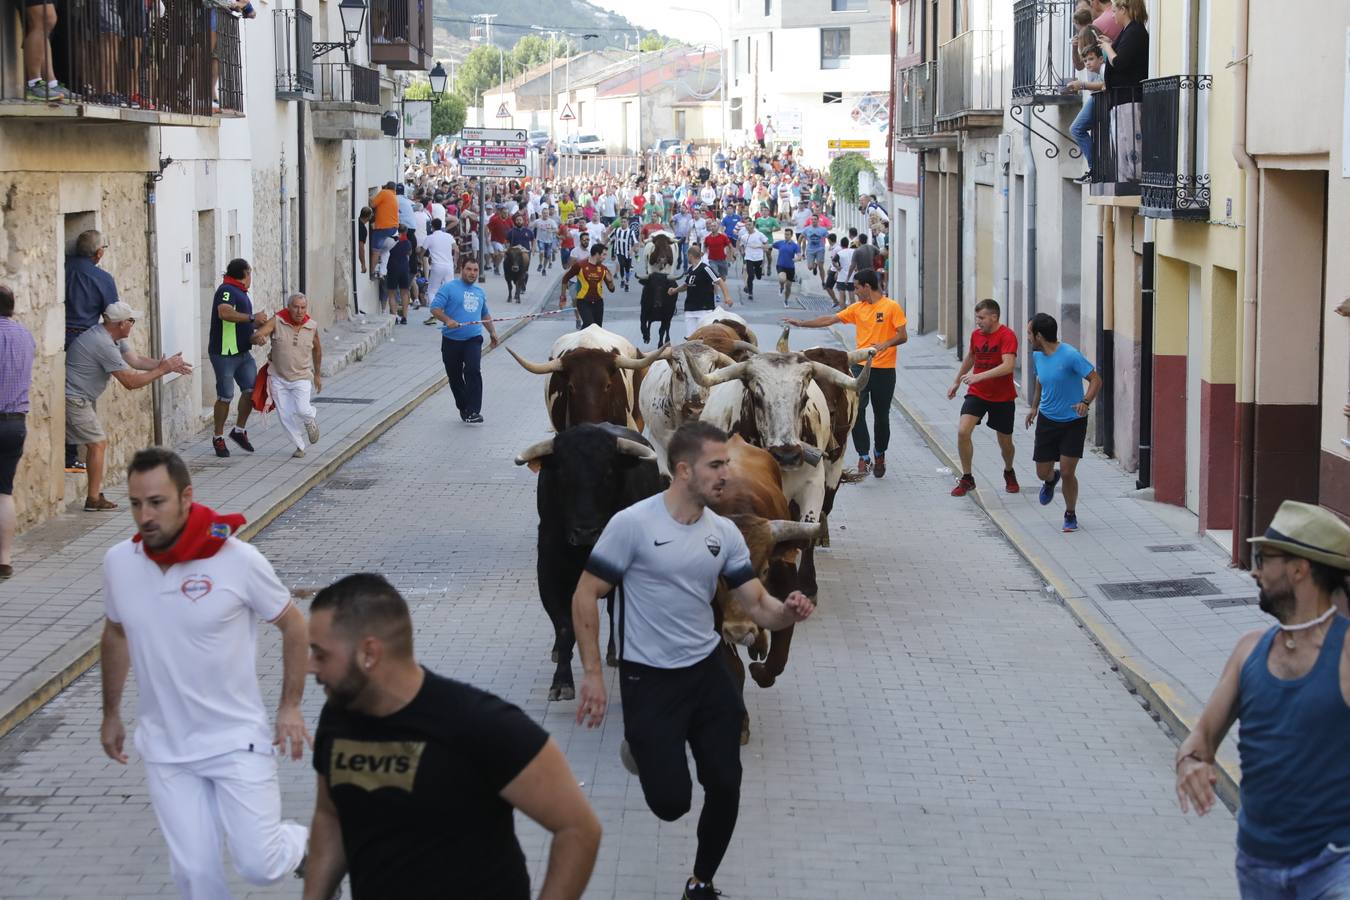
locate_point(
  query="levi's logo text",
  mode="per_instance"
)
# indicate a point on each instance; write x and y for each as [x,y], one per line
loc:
[195,587]
[371,765]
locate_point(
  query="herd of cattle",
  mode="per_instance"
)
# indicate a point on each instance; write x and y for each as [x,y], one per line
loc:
[789,414]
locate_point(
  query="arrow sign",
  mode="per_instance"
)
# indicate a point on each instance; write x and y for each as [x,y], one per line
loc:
[492,170]
[495,134]
[567,114]
[492,154]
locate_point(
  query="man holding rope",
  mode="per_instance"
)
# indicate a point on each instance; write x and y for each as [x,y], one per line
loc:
[461,308]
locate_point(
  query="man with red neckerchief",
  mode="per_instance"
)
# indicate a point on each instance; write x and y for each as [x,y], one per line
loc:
[292,370]
[182,600]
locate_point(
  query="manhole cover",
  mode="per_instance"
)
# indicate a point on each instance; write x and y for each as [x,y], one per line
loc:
[1171,548]
[350,484]
[356,401]
[1226,602]
[1158,590]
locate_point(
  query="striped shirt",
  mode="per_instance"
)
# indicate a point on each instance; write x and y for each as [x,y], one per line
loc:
[624,239]
[16,365]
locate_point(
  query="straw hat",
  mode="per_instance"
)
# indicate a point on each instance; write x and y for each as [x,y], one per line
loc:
[1310,532]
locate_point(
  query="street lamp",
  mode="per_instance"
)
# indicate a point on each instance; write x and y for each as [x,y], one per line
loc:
[438,79]
[353,15]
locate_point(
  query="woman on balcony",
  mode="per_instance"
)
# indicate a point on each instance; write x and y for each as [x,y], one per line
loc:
[1126,69]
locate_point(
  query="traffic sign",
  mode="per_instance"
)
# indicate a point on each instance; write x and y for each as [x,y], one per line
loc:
[495,134]
[492,170]
[507,154]
[503,112]
[846,144]
[567,114]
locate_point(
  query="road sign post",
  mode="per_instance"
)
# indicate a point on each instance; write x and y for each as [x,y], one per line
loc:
[495,134]
[507,154]
[492,169]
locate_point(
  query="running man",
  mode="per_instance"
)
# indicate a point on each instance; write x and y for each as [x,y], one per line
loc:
[675,684]
[1062,405]
[990,392]
[788,252]
[880,324]
[445,764]
[182,600]
[755,246]
[700,281]
[814,234]
[593,276]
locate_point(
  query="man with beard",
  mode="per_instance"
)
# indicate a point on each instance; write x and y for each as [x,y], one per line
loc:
[669,551]
[182,599]
[418,775]
[1290,687]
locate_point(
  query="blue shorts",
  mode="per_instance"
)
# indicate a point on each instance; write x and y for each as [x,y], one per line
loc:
[238,369]
[815,257]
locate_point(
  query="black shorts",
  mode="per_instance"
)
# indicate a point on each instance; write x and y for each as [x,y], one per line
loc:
[789,271]
[830,279]
[13,431]
[399,281]
[1056,439]
[1001,414]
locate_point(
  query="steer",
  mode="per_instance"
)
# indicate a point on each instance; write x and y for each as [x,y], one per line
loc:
[753,498]
[657,308]
[722,338]
[771,400]
[594,376]
[516,271]
[669,395]
[732,321]
[586,474]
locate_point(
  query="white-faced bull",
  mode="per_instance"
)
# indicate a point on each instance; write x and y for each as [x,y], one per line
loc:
[670,397]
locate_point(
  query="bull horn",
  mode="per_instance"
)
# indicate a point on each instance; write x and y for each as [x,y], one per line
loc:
[847,382]
[626,362]
[636,448]
[717,376]
[783,346]
[857,356]
[548,368]
[744,346]
[784,530]
[723,360]
[534,451]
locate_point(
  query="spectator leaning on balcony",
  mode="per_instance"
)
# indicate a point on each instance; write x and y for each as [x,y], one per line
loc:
[101,353]
[39,20]
[1088,84]
[16,374]
[89,291]
[1126,55]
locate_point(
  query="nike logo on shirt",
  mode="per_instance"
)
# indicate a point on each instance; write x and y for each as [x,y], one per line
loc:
[662,543]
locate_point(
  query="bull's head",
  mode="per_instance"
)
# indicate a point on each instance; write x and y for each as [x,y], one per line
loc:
[586,380]
[686,394]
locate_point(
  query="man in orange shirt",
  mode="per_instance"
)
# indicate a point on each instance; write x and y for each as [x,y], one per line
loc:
[384,225]
[880,323]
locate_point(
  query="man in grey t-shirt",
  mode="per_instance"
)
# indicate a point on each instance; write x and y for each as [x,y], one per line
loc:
[669,551]
[101,353]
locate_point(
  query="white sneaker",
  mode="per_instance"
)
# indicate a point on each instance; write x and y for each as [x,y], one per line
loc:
[298,454]
[312,431]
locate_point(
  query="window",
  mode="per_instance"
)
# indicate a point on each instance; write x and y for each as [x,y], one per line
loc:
[834,48]
[848,5]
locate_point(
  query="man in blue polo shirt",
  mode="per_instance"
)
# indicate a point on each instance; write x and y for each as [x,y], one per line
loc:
[462,300]
[788,251]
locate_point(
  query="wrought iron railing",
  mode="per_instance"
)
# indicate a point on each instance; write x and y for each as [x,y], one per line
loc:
[1117,141]
[917,89]
[294,53]
[1173,180]
[180,57]
[396,22]
[341,82]
[1043,33]
[970,74]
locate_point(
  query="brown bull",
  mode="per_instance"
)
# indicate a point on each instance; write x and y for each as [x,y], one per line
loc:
[753,499]
[723,338]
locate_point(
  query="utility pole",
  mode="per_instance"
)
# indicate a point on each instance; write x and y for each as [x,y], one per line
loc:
[639,91]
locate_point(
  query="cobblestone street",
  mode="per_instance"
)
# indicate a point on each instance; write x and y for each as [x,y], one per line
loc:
[944,729]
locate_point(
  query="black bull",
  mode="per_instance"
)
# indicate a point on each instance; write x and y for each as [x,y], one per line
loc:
[658,305]
[586,475]
[516,270]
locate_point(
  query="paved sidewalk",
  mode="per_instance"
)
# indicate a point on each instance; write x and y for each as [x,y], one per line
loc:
[1170,649]
[51,610]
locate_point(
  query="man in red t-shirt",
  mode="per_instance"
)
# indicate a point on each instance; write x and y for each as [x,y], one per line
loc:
[715,245]
[991,392]
[497,227]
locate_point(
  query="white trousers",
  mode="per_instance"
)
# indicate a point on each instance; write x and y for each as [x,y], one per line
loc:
[437,278]
[291,399]
[236,796]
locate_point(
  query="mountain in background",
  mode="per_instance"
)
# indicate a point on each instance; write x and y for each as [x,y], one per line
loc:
[452,19]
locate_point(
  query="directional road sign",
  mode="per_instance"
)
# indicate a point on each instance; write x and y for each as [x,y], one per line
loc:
[491,170]
[508,154]
[495,134]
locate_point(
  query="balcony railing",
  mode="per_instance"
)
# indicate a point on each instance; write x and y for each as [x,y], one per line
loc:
[180,57]
[1117,142]
[341,82]
[1173,180]
[970,80]
[294,54]
[400,33]
[917,89]
[1043,33]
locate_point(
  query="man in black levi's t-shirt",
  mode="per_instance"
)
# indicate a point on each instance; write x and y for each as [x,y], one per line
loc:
[418,774]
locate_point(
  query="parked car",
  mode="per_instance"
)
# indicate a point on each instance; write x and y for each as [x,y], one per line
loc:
[538,139]
[668,147]
[586,144]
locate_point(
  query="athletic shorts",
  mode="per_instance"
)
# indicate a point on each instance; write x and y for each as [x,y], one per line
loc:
[1001,413]
[815,257]
[238,368]
[789,271]
[831,278]
[497,247]
[1056,439]
[845,285]
[398,281]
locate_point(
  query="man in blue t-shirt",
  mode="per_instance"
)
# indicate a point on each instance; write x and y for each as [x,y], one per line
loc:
[463,301]
[814,234]
[787,251]
[1062,404]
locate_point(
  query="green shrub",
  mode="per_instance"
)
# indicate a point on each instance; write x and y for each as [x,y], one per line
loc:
[844,170]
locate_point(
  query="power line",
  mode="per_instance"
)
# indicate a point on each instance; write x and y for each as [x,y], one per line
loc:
[539,27]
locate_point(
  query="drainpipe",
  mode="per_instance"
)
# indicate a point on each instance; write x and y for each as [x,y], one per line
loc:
[1145,478]
[960,254]
[156,338]
[1244,430]
[1029,226]
[300,193]
[1106,328]
[351,230]
[1002,168]
[923,218]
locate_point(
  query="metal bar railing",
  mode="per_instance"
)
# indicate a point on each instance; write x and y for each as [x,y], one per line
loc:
[341,82]
[1043,34]
[1117,139]
[970,74]
[917,91]
[391,21]
[1172,177]
[293,34]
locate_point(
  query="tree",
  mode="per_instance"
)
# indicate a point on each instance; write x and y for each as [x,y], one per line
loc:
[480,72]
[447,114]
[653,42]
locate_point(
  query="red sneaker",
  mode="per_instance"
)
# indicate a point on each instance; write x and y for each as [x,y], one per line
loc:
[864,465]
[964,485]
[1010,482]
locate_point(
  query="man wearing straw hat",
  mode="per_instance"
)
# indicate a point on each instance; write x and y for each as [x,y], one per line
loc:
[1290,687]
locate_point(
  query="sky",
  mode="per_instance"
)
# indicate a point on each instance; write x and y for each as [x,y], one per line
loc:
[660,16]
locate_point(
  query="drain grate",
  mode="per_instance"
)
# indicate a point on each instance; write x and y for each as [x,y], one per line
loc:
[1226,602]
[1171,548]
[353,401]
[1158,590]
[350,484]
